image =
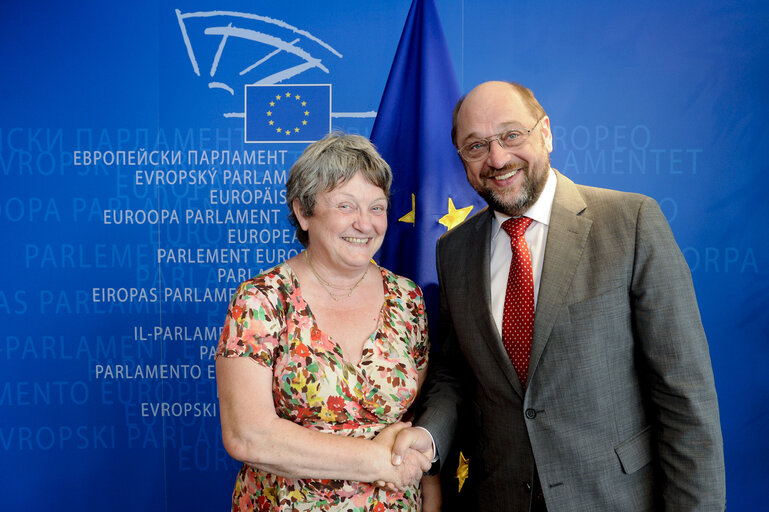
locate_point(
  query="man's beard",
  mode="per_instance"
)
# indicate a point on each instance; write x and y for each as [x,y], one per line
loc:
[534,180]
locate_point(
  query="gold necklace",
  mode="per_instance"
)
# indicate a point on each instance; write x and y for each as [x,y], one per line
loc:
[327,286]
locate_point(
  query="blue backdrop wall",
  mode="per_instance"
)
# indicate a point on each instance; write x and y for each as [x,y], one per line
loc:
[131,204]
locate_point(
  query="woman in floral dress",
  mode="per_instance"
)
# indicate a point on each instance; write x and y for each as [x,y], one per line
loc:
[321,356]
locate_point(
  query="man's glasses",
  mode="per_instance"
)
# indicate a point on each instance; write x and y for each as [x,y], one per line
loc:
[479,149]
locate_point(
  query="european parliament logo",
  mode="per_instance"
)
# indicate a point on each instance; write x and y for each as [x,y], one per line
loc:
[287,113]
[231,49]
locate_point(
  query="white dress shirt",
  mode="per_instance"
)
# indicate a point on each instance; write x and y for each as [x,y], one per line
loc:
[501,254]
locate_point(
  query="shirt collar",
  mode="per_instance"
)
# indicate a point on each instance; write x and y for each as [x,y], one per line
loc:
[539,211]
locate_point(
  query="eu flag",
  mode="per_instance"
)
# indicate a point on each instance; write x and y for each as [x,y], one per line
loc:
[287,113]
[412,131]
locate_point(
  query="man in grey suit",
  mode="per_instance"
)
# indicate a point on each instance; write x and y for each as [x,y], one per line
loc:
[614,407]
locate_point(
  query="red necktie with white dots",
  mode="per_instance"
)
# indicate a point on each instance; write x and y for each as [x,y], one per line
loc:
[518,315]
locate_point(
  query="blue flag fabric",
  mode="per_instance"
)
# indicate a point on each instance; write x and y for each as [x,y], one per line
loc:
[288,113]
[412,131]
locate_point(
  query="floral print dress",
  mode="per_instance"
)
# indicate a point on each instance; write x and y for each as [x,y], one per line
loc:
[269,321]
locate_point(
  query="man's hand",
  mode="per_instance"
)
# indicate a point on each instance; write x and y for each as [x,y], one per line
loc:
[413,438]
[410,447]
[411,463]
[388,434]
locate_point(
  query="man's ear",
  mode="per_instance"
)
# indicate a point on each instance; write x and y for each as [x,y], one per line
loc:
[547,135]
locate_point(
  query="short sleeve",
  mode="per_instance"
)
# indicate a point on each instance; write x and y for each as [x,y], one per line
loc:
[253,326]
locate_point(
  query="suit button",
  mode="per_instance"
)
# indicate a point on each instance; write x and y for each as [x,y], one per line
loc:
[528,486]
[531,414]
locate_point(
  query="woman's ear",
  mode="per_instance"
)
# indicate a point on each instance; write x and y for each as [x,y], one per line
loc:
[299,214]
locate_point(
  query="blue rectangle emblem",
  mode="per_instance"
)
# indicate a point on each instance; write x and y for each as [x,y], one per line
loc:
[287,113]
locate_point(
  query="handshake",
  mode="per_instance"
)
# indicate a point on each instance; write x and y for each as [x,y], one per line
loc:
[407,453]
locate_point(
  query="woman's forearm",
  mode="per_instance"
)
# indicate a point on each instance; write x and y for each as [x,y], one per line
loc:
[254,434]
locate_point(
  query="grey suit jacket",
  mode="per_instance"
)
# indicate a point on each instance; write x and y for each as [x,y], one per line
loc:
[620,411]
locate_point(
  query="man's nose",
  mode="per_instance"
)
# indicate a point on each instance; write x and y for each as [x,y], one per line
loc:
[498,156]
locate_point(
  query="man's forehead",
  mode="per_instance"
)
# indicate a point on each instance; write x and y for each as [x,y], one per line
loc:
[491,110]
[487,100]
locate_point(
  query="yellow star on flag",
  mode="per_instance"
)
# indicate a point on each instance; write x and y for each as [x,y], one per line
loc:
[455,216]
[412,215]
[463,470]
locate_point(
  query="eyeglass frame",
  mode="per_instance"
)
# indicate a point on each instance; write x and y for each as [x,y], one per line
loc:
[498,139]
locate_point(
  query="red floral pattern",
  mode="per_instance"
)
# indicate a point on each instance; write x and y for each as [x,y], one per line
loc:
[269,321]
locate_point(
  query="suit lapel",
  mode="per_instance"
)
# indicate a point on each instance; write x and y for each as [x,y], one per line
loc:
[479,296]
[566,238]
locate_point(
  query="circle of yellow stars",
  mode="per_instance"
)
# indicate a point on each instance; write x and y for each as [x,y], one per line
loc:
[287,96]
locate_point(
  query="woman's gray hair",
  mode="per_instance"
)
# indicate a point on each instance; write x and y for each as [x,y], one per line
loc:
[328,163]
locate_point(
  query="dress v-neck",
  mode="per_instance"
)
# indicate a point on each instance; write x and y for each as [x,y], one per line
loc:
[337,347]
